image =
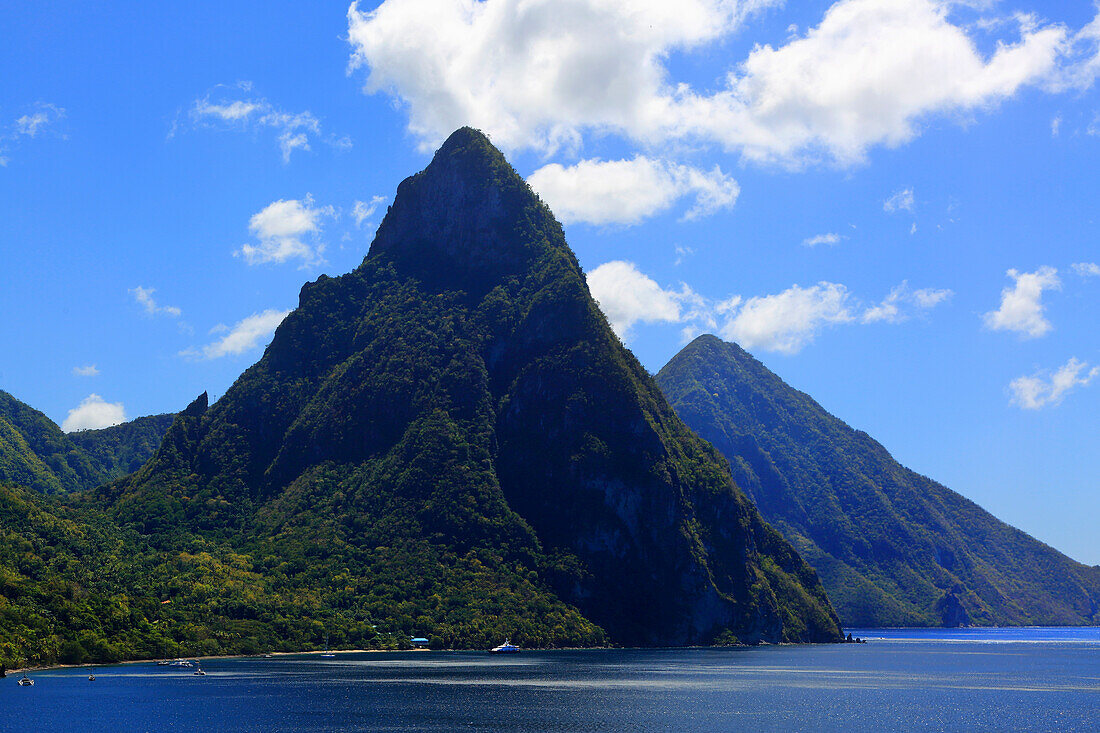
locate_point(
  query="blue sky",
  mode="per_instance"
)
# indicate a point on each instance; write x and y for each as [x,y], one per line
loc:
[892,203]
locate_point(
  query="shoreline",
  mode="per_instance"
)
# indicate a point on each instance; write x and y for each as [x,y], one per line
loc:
[314,652]
[155,660]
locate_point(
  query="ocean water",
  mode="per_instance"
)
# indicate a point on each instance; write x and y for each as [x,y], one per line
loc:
[901,680]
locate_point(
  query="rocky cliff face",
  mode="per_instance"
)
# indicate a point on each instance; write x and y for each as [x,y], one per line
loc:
[461,398]
[893,548]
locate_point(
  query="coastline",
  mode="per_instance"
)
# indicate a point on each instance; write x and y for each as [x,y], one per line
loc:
[155,660]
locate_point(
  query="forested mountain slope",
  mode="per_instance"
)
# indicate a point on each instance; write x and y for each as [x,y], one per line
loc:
[451,439]
[35,453]
[892,547]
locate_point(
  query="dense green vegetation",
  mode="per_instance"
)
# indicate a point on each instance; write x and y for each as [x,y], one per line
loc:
[447,442]
[122,449]
[451,442]
[35,453]
[893,548]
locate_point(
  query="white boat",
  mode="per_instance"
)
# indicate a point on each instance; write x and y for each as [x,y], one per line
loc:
[199,673]
[327,653]
[26,681]
[506,648]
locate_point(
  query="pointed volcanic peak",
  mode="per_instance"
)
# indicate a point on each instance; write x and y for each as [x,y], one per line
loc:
[892,547]
[452,433]
[468,221]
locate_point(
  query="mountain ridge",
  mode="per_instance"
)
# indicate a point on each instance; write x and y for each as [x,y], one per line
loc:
[36,453]
[892,547]
[458,397]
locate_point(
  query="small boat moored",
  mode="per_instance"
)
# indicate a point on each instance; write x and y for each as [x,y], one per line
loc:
[506,648]
[26,681]
[91,678]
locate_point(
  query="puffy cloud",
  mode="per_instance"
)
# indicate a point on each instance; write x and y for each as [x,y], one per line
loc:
[892,308]
[85,371]
[1021,308]
[784,322]
[1086,269]
[900,201]
[789,320]
[532,73]
[829,239]
[242,337]
[92,413]
[867,75]
[293,130]
[628,191]
[626,297]
[364,210]
[1042,389]
[144,296]
[287,229]
[542,73]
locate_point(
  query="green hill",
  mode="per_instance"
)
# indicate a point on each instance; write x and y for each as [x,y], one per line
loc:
[74,588]
[35,453]
[122,449]
[450,441]
[892,547]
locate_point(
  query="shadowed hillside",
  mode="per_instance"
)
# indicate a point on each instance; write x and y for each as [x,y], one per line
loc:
[892,547]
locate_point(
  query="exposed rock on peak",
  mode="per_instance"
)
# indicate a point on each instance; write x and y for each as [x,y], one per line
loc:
[468,221]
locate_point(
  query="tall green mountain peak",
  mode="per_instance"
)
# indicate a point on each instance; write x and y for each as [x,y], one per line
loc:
[450,441]
[892,547]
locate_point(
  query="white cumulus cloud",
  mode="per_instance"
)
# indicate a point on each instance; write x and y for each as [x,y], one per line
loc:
[531,73]
[244,336]
[787,321]
[628,191]
[627,296]
[144,296]
[1022,308]
[92,413]
[1043,388]
[88,370]
[542,73]
[287,229]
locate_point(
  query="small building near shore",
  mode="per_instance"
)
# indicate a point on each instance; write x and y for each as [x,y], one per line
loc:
[419,642]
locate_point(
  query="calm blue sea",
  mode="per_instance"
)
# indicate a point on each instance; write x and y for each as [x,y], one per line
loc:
[901,680]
